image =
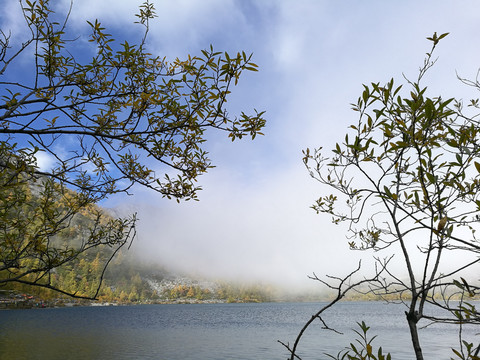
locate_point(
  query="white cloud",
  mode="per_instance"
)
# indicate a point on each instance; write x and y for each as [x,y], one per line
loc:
[45,161]
[12,20]
[116,13]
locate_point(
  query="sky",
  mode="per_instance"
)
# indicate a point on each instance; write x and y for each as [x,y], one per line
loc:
[253,220]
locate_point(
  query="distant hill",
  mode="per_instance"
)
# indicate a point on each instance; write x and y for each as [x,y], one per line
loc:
[127,278]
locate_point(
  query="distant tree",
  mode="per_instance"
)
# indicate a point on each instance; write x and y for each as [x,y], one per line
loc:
[191,292]
[406,180]
[123,297]
[110,115]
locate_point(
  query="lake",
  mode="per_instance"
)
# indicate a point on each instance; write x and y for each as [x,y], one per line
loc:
[207,331]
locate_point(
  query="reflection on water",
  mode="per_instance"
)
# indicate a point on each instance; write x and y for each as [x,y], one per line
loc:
[205,331]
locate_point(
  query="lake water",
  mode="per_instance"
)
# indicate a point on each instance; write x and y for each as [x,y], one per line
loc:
[206,331]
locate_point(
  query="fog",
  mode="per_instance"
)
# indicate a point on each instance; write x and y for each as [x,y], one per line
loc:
[260,232]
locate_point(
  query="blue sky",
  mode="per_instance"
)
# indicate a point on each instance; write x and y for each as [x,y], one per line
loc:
[253,218]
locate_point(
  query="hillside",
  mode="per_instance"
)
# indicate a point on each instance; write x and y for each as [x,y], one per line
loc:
[56,240]
[129,281]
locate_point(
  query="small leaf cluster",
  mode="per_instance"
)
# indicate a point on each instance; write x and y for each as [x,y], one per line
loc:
[363,349]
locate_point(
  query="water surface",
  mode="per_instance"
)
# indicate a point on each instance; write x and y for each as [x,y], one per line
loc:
[206,331]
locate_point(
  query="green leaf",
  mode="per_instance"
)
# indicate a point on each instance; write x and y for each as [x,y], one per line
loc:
[430,178]
[442,36]
[337,147]
[387,191]
[429,107]
[477,165]
[457,353]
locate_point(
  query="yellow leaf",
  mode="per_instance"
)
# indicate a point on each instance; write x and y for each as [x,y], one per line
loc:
[369,349]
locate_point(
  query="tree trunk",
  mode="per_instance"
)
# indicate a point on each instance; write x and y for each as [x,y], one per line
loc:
[412,320]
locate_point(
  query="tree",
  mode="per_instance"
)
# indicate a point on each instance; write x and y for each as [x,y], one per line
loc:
[406,180]
[111,120]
